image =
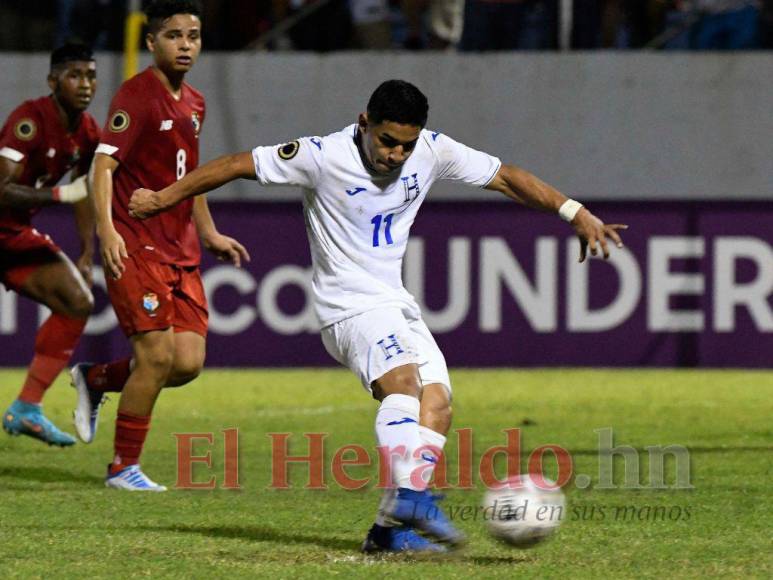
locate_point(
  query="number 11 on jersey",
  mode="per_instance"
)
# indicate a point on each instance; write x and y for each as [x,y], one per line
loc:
[376,221]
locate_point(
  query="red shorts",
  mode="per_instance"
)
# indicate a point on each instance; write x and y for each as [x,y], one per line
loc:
[22,252]
[155,296]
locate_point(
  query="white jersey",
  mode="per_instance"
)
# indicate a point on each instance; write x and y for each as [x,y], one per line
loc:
[358,221]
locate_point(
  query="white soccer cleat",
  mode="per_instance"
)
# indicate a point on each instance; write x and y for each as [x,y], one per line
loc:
[131,478]
[86,414]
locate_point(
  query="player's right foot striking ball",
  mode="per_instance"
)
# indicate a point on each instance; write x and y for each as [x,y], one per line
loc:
[131,478]
[398,539]
[27,419]
[86,414]
[419,510]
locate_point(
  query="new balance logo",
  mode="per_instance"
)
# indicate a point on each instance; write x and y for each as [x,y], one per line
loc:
[355,191]
[166,125]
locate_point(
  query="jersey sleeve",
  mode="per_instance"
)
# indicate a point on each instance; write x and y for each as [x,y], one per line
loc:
[21,134]
[298,162]
[458,162]
[125,122]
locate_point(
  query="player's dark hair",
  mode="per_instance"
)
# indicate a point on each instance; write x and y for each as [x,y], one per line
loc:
[159,10]
[70,52]
[399,102]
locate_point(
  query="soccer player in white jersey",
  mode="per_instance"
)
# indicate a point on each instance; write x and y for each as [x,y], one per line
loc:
[362,189]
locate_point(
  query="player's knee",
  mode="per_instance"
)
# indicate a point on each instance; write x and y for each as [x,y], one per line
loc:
[396,386]
[183,373]
[158,361]
[437,412]
[75,303]
[82,304]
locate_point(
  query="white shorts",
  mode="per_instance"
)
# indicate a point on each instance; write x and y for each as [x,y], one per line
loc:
[375,342]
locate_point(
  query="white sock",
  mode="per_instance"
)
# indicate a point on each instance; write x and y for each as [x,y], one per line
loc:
[382,517]
[429,438]
[397,426]
[437,442]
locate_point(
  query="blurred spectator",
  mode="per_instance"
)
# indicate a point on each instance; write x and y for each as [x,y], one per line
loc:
[446,21]
[370,19]
[98,23]
[596,24]
[473,25]
[232,25]
[766,24]
[616,23]
[327,25]
[715,24]
[27,24]
[509,25]
[444,18]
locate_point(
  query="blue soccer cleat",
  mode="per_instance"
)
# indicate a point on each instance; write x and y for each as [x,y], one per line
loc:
[418,509]
[86,414]
[401,539]
[27,419]
[131,478]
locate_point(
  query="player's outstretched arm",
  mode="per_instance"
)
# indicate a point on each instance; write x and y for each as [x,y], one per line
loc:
[525,188]
[24,197]
[145,203]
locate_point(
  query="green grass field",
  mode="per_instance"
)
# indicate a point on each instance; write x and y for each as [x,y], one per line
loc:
[58,520]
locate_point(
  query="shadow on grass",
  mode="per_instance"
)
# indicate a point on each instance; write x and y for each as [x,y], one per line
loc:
[259,534]
[690,448]
[494,560]
[47,475]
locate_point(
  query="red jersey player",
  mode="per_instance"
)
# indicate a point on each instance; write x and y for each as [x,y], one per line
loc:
[41,141]
[152,268]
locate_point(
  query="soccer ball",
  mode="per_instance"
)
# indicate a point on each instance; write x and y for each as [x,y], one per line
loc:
[522,513]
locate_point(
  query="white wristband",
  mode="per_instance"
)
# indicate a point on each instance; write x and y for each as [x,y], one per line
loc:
[569,209]
[74,191]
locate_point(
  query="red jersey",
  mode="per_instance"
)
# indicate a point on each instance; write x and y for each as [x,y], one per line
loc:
[35,136]
[156,140]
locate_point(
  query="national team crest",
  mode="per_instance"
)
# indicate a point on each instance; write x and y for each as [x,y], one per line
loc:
[150,303]
[411,186]
[196,123]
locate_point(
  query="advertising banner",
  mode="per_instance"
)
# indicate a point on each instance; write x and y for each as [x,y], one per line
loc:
[499,285]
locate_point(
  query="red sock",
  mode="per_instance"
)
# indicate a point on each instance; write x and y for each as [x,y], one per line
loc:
[110,377]
[130,433]
[56,340]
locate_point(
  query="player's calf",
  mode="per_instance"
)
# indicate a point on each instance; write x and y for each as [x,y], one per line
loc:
[435,412]
[80,305]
